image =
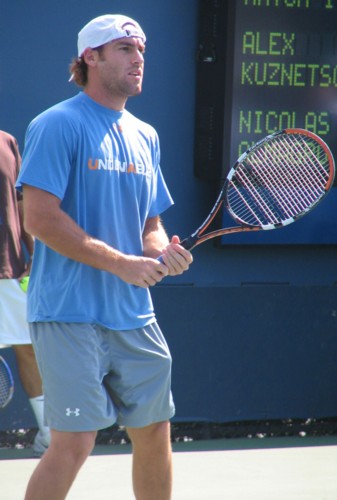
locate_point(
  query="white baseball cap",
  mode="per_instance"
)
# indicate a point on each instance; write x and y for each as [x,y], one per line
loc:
[104,29]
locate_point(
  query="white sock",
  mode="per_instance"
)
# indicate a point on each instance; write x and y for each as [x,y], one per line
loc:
[37,405]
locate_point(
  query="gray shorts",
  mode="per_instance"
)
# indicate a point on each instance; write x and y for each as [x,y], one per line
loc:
[94,377]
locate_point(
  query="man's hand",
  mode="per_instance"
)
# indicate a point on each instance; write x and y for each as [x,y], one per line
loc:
[176,258]
[142,271]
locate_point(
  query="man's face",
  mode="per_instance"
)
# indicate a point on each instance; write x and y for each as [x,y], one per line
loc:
[120,67]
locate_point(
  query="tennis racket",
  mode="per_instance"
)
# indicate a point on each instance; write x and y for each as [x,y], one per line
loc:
[274,183]
[6,383]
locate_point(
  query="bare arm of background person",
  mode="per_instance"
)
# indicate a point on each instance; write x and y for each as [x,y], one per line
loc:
[27,239]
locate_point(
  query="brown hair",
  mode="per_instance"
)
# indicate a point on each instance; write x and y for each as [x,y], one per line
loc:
[79,69]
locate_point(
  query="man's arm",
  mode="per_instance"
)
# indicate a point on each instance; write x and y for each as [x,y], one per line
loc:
[156,243]
[155,238]
[45,219]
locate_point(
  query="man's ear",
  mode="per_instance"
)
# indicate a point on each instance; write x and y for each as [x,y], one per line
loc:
[90,56]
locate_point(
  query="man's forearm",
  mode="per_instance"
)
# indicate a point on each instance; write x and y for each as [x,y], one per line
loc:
[155,238]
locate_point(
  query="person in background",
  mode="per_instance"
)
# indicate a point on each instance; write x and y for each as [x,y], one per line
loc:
[13,267]
[93,193]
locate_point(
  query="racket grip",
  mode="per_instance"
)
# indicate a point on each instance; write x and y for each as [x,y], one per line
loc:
[160,258]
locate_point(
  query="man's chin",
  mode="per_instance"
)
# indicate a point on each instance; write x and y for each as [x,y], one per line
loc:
[136,92]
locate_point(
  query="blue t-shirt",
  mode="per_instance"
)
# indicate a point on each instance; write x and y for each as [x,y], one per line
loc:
[104,167]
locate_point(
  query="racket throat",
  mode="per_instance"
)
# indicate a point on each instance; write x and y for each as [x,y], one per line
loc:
[190,242]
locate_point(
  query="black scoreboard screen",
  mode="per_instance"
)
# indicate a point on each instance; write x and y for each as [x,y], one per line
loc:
[263,65]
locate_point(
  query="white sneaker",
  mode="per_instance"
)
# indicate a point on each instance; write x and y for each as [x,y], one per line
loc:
[40,445]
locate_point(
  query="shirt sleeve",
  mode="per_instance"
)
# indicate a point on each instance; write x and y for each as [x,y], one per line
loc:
[48,153]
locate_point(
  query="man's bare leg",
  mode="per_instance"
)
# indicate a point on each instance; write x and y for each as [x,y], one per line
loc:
[59,466]
[28,370]
[152,461]
[31,382]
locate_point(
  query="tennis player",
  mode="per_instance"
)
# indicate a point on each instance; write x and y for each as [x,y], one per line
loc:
[93,194]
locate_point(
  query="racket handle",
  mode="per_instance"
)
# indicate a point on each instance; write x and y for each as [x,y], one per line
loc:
[160,258]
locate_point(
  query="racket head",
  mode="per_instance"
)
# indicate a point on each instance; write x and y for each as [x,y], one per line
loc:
[280,179]
[6,383]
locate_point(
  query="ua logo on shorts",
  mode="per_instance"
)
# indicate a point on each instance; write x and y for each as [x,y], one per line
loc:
[75,413]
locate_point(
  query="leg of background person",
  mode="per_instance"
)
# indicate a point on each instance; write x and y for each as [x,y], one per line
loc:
[152,461]
[59,466]
[28,370]
[31,382]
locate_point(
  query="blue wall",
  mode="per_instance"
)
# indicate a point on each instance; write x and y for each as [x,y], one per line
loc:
[255,326]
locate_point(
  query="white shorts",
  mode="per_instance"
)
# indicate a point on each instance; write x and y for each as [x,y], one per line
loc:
[13,315]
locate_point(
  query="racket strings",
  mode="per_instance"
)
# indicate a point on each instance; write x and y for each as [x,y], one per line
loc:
[279,180]
[279,194]
[6,384]
[307,172]
[254,208]
[300,154]
[285,183]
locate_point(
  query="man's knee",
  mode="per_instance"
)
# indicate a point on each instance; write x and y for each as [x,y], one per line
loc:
[151,435]
[76,445]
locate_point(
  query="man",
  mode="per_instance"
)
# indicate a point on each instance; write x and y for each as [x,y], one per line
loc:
[93,195]
[13,325]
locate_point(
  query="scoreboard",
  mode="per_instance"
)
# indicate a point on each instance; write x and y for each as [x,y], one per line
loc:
[284,70]
[262,66]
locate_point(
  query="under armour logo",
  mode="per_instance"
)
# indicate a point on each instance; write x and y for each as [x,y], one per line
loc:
[75,412]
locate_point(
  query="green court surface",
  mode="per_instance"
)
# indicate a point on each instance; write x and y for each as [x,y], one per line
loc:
[219,469]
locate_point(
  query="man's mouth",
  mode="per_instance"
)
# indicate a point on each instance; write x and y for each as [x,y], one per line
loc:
[137,73]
